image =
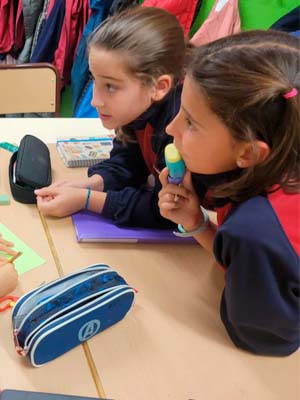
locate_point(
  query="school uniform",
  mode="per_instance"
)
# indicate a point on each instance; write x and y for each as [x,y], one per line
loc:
[130,200]
[258,243]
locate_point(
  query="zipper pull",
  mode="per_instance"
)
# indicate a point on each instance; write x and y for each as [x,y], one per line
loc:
[22,352]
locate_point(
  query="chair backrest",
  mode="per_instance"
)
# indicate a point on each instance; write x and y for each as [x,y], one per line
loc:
[29,88]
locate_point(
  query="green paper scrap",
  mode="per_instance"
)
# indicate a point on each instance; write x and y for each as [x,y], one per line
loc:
[29,258]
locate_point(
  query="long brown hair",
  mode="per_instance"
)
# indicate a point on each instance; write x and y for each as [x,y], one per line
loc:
[150,39]
[244,78]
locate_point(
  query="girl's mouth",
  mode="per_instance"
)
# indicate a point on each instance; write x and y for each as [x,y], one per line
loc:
[104,116]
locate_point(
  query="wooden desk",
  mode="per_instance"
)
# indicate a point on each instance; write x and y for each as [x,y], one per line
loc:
[172,345]
[69,374]
[49,129]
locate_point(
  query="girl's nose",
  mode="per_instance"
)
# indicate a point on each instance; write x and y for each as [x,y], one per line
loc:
[97,100]
[171,128]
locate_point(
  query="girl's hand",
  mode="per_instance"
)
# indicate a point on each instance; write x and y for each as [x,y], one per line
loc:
[8,273]
[60,201]
[94,182]
[8,278]
[6,247]
[180,203]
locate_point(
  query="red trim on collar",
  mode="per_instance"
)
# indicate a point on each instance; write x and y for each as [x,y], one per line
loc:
[287,209]
[222,213]
[144,140]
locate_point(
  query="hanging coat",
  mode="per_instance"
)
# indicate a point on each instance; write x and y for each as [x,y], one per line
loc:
[76,17]
[6,29]
[80,70]
[290,22]
[49,36]
[183,9]
[120,5]
[19,30]
[31,13]
[223,20]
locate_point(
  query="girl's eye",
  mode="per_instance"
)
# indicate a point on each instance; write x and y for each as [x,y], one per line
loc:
[110,88]
[188,122]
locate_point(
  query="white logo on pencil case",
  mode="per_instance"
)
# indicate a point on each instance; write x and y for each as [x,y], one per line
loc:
[88,330]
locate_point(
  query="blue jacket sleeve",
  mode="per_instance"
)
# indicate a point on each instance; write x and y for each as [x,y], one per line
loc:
[136,207]
[260,302]
[129,201]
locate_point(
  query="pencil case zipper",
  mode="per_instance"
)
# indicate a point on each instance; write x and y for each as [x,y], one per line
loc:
[110,295]
[23,303]
[50,304]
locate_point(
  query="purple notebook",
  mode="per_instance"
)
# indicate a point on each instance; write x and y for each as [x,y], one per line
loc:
[91,227]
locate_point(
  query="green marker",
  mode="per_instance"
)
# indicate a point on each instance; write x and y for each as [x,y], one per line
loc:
[9,147]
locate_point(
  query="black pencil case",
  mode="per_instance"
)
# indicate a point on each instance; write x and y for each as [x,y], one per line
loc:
[29,169]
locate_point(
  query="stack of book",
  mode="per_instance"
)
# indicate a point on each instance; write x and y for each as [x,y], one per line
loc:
[83,152]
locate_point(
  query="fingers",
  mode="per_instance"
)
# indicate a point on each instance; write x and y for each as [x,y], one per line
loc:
[163,177]
[40,199]
[170,198]
[174,193]
[5,242]
[45,204]
[67,201]
[47,191]
[169,201]
[7,250]
[3,261]
[182,190]
[6,247]
[187,181]
[8,278]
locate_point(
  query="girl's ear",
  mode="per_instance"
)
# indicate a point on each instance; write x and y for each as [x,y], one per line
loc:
[251,154]
[161,87]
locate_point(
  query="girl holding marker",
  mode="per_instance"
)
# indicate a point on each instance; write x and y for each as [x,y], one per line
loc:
[238,130]
[136,59]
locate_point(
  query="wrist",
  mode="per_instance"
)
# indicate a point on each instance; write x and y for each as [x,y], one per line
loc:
[192,227]
[87,198]
[96,182]
[94,201]
[184,232]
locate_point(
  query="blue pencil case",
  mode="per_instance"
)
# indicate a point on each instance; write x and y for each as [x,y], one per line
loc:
[56,317]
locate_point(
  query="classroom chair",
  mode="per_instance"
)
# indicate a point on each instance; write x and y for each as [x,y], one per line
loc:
[29,88]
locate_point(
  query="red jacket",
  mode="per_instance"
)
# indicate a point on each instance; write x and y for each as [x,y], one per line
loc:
[77,12]
[7,27]
[223,20]
[183,9]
